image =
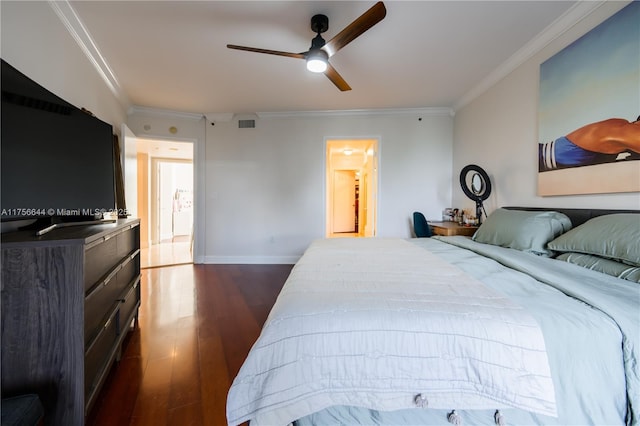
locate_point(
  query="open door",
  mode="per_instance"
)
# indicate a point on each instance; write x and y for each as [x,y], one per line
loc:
[344,201]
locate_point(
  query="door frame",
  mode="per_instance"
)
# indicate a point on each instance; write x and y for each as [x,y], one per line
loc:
[131,138]
[373,187]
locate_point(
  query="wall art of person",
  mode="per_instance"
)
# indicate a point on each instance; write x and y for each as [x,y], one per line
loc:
[606,141]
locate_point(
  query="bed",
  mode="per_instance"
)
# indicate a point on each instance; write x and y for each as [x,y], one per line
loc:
[534,320]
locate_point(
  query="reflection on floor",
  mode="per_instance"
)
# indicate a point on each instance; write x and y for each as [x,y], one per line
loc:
[176,252]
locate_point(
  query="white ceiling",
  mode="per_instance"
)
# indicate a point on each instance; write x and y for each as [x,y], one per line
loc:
[172,54]
[165,149]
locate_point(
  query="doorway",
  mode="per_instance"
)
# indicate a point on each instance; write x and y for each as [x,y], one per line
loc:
[165,202]
[351,183]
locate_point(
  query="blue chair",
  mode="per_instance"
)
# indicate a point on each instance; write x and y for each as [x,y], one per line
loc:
[420,226]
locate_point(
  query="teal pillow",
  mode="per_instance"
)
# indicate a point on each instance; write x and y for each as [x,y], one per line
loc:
[601,264]
[614,236]
[527,231]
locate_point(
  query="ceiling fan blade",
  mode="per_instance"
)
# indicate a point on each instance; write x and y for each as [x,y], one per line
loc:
[269,52]
[356,28]
[336,78]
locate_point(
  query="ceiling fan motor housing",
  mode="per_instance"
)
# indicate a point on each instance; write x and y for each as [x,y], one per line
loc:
[319,23]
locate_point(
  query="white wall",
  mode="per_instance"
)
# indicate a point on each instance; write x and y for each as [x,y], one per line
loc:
[265,198]
[498,131]
[259,194]
[34,40]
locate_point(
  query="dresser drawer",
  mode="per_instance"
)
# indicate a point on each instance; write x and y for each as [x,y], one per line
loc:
[100,352]
[127,241]
[128,306]
[99,259]
[103,255]
[107,293]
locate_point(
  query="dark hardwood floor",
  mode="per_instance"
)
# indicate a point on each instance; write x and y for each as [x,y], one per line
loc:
[196,326]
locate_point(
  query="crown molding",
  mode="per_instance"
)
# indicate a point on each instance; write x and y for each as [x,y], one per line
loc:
[430,111]
[562,24]
[228,116]
[81,35]
[217,117]
[163,113]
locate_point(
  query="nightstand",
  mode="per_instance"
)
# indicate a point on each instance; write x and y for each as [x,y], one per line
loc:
[452,228]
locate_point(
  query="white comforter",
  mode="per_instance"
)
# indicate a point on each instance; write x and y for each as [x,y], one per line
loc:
[375,322]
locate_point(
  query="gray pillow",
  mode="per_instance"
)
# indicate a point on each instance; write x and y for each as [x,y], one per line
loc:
[615,236]
[601,264]
[527,231]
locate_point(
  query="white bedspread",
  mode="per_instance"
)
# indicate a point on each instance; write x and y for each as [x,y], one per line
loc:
[373,323]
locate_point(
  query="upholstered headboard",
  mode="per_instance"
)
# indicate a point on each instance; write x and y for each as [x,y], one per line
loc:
[577,216]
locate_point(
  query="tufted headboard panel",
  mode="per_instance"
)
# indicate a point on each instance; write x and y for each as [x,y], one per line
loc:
[577,216]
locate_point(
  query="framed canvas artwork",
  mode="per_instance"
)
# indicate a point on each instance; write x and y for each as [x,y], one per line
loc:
[589,111]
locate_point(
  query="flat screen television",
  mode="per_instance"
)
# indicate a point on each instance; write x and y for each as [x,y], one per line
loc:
[57,161]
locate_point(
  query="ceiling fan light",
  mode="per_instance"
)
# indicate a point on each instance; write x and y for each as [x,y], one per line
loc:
[317,61]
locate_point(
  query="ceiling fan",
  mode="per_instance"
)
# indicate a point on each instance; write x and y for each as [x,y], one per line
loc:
[318,55]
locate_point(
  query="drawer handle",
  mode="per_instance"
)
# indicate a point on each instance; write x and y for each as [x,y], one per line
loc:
[111,275]
[125,262]
[131,291]
[134,254]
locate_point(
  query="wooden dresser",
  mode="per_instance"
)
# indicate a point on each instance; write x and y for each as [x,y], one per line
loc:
[68,299]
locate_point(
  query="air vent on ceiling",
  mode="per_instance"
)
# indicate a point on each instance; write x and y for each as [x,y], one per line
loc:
[246,124]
